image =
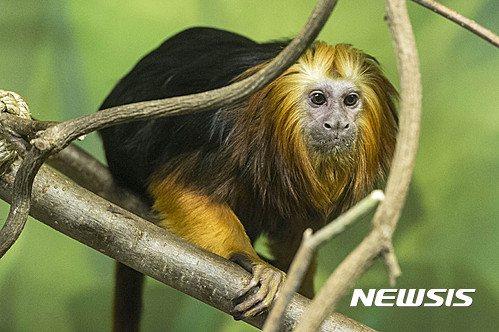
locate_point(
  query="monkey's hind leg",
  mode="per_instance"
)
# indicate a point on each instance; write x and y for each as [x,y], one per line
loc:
[215,227]
[127,299]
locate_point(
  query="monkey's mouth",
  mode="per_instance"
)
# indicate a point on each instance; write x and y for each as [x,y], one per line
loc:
[333,145]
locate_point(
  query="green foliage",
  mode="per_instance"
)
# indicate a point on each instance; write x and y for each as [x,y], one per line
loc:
[65,56]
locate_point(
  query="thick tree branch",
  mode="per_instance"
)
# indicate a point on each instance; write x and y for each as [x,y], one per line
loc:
[119,234]
[57,137]
[91,174]
[461,20]
[378,241]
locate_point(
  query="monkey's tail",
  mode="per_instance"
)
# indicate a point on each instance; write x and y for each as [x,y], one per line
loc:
[127,299]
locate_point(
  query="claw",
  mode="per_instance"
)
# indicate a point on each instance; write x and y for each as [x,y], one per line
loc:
[265,284]
[252,284]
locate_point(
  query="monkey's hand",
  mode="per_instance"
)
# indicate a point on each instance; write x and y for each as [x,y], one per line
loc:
[263,288]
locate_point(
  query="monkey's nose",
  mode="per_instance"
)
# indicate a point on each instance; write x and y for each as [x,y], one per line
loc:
[337,128]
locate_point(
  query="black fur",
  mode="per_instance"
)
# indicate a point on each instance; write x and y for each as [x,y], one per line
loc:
[232,154]
[195,60]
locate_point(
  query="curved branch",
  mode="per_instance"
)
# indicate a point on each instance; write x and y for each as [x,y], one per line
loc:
[57,137]
[404,158]
[461,20]
[378,241]
[18,213]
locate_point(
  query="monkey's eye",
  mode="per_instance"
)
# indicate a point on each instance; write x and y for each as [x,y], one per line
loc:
[318,98]
[351,99]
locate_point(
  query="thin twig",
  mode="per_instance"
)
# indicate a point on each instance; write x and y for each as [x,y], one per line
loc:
[57,137]
[310,244]
[388,212]
[392,264]
[461,20]
[347,219]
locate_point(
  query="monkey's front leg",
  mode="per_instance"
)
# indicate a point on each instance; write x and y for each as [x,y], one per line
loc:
[216,228]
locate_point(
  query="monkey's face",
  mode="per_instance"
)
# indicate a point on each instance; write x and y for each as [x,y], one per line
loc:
[331,108]
[334,103]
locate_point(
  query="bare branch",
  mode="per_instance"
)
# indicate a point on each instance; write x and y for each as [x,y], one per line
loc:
[91,174]
[84,169]
[25,127]
[19,211]
[308,247]
[392,264]
[57,137]
[387,214]
[345,220]
[119,234]
[461,20]
[404,158]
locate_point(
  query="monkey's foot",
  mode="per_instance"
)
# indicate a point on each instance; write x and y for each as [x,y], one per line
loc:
[263,288]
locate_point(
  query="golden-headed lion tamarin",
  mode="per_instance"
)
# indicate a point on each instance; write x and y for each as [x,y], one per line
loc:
[294,155]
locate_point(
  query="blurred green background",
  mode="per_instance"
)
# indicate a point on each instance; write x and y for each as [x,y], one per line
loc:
[64,57]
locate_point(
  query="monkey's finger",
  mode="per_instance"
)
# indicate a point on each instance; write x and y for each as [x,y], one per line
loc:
[270,282]
[252,300]
[258,272]
[257,304]
[251,288]
[256,310]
